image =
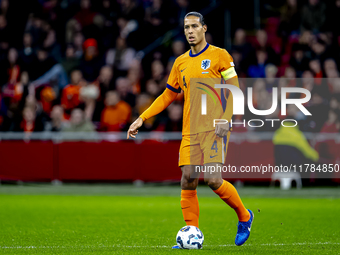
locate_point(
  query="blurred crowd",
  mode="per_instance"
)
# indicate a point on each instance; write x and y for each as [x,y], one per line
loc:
[74,65]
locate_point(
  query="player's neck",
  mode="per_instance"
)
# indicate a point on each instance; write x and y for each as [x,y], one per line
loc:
[198,47]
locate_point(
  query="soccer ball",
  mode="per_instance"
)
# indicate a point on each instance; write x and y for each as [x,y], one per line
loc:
[190,237]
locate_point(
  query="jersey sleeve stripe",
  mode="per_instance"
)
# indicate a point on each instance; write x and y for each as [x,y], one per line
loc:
[173,89]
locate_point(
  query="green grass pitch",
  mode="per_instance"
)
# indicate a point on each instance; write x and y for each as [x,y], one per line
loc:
[123,219]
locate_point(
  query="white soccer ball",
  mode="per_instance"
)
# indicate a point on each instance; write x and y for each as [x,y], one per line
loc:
[190,237]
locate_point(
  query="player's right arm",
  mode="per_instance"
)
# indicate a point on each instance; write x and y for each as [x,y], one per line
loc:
[161,102]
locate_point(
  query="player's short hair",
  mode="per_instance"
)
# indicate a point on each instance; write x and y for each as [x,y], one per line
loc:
[197,14]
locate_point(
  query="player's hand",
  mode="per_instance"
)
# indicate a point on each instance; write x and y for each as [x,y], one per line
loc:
[221,130]
[133,129]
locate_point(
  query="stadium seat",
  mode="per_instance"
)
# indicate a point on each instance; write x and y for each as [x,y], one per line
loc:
[286,180]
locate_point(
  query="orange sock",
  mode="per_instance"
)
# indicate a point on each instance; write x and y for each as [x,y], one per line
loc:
[190,208]
[229,195]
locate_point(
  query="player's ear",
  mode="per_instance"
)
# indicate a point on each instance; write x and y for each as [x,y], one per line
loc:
[205,27]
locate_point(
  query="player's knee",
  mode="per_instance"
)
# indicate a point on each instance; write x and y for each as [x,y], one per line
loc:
[188,183]
[213,183]
[189,179]
[188,174]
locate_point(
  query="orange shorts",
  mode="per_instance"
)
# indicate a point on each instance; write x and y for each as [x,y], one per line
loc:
[203,148]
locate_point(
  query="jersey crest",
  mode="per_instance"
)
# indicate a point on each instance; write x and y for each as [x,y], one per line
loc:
[205,64]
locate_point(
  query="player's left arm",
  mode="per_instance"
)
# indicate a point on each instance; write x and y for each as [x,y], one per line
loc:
[229,74]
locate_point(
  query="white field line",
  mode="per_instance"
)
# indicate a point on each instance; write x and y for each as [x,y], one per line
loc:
[160,246]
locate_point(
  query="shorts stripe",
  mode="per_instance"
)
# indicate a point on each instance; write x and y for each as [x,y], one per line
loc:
[222,150]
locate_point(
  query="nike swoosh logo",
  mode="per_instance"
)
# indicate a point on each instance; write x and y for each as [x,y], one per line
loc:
[185,207]
[183,69]
[249,229]
[213,156]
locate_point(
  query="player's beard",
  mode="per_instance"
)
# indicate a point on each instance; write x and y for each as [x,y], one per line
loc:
[192,44]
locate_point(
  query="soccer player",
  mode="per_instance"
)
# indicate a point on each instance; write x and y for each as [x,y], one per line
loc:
[201,142]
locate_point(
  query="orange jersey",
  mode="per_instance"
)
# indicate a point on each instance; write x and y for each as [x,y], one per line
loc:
[70,96]
[115,117]
[196,74]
